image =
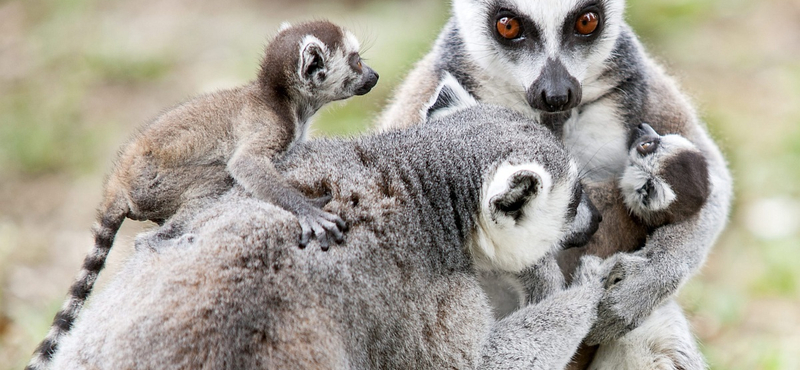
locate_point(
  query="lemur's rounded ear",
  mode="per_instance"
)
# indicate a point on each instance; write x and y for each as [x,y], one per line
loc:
[450,96]
[312,59]
[521,187]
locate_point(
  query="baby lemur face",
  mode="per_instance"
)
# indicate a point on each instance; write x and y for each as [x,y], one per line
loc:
[316,63]
[666,177]
[333,70]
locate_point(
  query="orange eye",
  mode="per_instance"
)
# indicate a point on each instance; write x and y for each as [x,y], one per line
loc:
[648,147]
[587,23]
[509,28]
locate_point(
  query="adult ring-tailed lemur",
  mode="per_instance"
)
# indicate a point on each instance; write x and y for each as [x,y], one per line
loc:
[578,68]
[481,188]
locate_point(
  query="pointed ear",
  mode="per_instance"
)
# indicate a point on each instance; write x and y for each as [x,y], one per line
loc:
[312,60]
[520,188]
[450,96]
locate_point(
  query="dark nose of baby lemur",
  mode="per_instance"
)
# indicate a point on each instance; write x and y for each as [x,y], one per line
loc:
[555,90]
[368,81]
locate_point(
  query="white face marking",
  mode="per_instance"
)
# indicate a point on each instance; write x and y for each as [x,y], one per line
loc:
[597,139]
[337,79]
[351,44]
[474,22]
[503,243]
[641,169]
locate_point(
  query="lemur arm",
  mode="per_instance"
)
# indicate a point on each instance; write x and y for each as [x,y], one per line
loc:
[671,255]
[251,166]
[546,334]
[542,280]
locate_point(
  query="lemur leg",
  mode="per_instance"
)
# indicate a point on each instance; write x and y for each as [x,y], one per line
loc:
[174,226]
[663,341]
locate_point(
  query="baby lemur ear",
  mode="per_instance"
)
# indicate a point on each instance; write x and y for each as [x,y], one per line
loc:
[450,96]
[312,60]
[522,186]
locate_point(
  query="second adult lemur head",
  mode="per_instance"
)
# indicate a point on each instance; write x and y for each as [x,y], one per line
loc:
[326,67]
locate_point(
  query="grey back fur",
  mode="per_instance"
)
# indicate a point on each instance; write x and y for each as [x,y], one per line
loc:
[401,293]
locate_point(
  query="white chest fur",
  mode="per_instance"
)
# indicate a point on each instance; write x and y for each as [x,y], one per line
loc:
[597,140]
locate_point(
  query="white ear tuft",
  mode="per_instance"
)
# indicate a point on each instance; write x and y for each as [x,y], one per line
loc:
[312,59]
[450,96]
[284,26]
[522,217]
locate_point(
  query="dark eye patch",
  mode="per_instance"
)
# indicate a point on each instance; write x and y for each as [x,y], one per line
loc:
[355,62]
[526,33]
[570,34]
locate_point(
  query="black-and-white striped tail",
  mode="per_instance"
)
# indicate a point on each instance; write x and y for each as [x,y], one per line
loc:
[104,232]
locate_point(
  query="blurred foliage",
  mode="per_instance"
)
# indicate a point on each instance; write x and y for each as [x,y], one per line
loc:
[78,76]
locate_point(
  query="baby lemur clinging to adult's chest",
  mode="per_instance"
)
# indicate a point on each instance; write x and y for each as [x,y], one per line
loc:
[200,148]
[664,182]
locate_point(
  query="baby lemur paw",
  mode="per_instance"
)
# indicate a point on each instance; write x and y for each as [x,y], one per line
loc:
[327,228]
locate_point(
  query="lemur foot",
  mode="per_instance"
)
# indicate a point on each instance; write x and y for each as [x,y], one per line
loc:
[320,201]
[325,226]
[154,238]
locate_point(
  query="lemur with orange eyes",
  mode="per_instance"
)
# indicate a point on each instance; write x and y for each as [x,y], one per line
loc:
[200,148]
[664,182]
[578,68]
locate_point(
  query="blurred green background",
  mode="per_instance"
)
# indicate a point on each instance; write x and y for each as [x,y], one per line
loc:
[78,76]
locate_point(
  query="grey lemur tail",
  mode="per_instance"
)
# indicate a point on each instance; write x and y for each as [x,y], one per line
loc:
[110,218]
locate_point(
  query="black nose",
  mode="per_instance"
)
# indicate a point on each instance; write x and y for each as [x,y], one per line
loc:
[555,90]
[368,81]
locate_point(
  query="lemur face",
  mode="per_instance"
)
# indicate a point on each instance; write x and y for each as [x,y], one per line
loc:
[547,50]
[528,210]
[666,177]
[331,71]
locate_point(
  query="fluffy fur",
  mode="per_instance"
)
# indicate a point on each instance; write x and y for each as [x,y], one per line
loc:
[402,291]
[632,207]
[199,149]
[620,87]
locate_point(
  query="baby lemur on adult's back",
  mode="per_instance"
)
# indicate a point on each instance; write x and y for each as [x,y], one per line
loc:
[200,148]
